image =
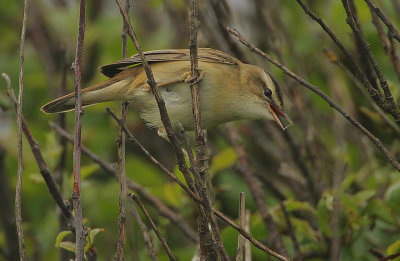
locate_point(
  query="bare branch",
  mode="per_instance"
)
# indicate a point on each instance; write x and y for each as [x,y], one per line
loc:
[121,140]
[18,203]
[292,234]
[76,196]
[375,94]
[392,30]
[365,46]
[145,233]
[242,224]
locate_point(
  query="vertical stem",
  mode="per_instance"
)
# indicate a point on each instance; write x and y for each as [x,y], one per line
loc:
[208,244]
[120,255]
[18,208]
[242,223]
[76,196]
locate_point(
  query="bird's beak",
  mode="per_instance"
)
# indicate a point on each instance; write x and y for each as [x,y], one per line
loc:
[276,113]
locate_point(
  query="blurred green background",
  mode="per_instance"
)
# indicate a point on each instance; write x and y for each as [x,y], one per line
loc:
[357,197]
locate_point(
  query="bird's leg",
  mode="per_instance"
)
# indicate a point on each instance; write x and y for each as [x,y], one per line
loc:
[184,77]
[193,80]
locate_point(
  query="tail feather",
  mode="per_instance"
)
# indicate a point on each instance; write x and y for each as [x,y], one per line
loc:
[114,89]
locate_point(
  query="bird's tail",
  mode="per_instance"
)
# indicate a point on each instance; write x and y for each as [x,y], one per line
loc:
[114,89]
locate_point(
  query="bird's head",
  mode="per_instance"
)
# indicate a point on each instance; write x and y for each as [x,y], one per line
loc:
[266,95]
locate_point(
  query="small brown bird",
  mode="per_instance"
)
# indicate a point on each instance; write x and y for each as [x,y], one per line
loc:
[229,89]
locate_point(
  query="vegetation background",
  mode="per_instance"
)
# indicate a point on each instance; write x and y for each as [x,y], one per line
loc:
[341,195]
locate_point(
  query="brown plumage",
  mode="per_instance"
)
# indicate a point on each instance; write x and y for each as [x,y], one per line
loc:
[229,89]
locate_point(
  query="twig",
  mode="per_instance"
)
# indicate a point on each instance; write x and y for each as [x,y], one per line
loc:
[298,256]
[255,189]
[365,46]
[379,29]
[375,94]
[197,198]
[392,30]
[394,58]
[208,245]
[390,257]
[120,255]
[145,233]
[153,225]
[242,223]
[247,248]
[249,237]
[76,196]
[389,158]
[18,203]
[162,209]
[333,59]
[44,170]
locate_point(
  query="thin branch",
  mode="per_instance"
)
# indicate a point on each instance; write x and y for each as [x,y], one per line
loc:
[120,255]
[333,59]
[388,156]
[162,209]
[153,225]
[381,32]
[390,257]
[44,170]
[375,94]
[145,233]
[18,203]
[365,46]
[392,30]
[394,58]
[209,244]
[76,196]
[242,223]
[298,255]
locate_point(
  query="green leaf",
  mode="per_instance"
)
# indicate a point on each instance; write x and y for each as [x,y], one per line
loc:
[294,205]
[61,236]
[392,197]
[223,160]
[324,210]
[69,246]
[88,169]
[36,178]
[93,233]
[393,248]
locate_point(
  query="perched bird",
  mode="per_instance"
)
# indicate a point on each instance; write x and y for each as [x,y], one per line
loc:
[229,89]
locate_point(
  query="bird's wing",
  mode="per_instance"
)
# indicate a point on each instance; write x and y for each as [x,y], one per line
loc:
[204,55]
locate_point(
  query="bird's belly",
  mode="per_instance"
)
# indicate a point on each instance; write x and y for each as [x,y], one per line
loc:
[178,102]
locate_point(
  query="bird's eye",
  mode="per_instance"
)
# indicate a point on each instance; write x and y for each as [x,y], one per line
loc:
[268,92]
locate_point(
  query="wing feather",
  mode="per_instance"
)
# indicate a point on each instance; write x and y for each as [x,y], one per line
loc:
[204,55]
